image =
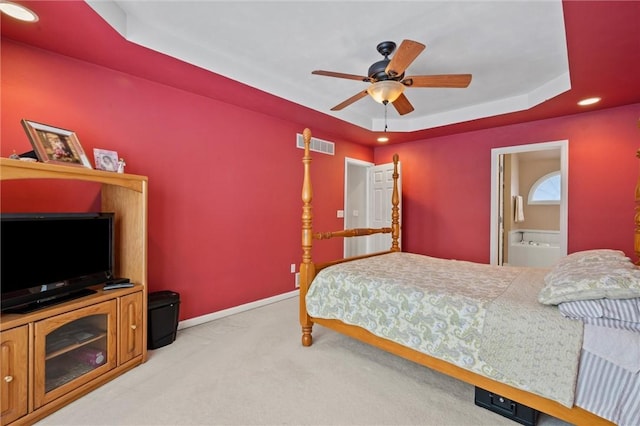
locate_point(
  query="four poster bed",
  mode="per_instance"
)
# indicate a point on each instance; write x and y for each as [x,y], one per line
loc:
[539,337]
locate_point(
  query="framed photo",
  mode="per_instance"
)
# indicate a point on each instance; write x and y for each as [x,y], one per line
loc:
[106,160]
[55,145]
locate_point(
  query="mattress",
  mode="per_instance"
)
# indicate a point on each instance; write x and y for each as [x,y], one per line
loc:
[447,309]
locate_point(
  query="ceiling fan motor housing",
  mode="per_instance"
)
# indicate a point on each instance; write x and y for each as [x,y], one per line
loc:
[377,72]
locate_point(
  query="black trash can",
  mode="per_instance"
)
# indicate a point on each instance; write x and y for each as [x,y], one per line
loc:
[162,320]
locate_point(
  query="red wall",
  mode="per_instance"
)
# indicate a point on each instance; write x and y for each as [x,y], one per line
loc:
[446,183]
[224,182]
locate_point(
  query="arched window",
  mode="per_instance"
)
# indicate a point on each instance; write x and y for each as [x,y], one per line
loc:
[546,190]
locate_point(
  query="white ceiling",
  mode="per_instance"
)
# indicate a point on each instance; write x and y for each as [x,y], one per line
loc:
[516,50]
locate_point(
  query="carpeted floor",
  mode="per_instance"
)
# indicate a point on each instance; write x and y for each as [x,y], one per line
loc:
[250,369]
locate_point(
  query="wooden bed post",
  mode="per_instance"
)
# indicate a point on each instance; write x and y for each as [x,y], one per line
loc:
[395,211]
[636,241]
[307,268]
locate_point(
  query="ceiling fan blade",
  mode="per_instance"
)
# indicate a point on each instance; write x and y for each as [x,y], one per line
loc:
[341,75]
[406,53]
[402,105]
[349,101]
[445,80]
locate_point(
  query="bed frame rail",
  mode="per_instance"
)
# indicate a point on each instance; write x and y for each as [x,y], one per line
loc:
[356,232]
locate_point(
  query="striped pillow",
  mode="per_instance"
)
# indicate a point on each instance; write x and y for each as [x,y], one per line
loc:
[627,310]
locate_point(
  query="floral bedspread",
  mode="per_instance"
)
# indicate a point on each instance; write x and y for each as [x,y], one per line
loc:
[439,307]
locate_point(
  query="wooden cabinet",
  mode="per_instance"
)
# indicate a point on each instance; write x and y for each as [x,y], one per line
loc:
[54,355]
[69,349]
[14,367]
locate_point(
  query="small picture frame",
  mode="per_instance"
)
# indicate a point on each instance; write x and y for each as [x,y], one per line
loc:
[55,145]
[105,160]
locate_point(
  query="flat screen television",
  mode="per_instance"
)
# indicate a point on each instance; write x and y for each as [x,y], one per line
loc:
[46,258]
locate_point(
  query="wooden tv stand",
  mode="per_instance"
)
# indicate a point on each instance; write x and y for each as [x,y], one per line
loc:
[54,355]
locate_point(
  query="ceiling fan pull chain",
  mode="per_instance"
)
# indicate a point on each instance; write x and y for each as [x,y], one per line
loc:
[385,116]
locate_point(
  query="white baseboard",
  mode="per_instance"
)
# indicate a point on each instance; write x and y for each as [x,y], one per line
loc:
[236,310]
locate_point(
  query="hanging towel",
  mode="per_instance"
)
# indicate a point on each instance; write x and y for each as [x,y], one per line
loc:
[519,209]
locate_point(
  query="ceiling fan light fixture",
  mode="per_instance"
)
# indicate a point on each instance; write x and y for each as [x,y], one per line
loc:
[386,91]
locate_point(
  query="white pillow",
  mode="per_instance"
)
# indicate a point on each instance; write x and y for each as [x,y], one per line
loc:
[596,255]
[594,274]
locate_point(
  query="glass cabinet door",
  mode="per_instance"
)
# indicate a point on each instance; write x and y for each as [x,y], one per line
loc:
[73,348]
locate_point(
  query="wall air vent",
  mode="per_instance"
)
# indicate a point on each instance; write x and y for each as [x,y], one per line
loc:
[317,145]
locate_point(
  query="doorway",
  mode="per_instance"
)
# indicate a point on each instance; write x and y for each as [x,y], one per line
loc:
[367,204]
[502,195]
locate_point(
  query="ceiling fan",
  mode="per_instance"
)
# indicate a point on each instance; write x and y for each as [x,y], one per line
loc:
[388,81]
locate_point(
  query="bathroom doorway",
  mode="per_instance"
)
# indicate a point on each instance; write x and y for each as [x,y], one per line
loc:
[510,198]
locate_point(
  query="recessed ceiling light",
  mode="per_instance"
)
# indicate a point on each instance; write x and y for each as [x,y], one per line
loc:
[383,139]
[17,11]
[589,101]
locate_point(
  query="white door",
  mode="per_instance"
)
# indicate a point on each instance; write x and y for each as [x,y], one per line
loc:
[368,190]
[379,205]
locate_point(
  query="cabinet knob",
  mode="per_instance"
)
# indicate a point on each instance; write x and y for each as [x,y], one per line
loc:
[8,379]
[133,326]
